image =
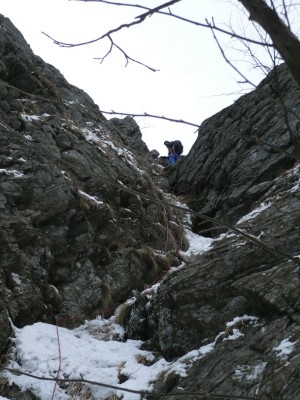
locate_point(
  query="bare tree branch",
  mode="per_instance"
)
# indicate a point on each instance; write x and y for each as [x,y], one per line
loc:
[286,15]
[114,3]
[142,17]
[283,38]
[127,57]
[157,9]
[271,51]
[246,80]
[122,389]
[181,121]
[251,52]
[197,23]
[255,139]
[139,19]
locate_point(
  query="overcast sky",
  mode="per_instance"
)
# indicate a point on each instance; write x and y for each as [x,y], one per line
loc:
[193,82]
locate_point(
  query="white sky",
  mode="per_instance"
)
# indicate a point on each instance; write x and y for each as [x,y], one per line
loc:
[194,81]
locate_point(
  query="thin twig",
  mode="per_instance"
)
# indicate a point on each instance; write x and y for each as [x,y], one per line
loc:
[114,3]
[255,139]
[121,388]
[200,24]
[157,9]
[246,80]
[139,19]
[127,57]
[286,15]
[181,121]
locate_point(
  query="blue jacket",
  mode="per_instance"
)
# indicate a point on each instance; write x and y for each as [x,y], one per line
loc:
[173,157]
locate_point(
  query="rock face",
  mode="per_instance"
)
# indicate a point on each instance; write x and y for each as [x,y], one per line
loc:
[84,223]
[76,236]
[235,158]
[253,269]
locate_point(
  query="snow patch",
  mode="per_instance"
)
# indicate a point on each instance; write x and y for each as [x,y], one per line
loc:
[284,348]
[197,244]
[93,199]
[11,172]
[253,214]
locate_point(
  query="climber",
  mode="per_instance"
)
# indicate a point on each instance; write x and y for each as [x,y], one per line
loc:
[175,150]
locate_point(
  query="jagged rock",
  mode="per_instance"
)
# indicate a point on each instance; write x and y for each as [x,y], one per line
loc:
[131,134]
[234,278]
[225,173]
[254,271]
[154,154]
[70,207]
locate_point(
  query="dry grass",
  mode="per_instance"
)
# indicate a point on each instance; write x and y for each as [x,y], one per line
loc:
[114,397]
[122,313]
[78,391]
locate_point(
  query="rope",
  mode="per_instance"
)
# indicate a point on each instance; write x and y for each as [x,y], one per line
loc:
[59,357]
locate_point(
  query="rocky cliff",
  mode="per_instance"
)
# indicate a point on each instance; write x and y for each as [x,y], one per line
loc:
[76,218]
[86,219]
[241,179]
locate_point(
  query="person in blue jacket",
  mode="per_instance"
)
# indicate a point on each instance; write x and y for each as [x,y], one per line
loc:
[175,150]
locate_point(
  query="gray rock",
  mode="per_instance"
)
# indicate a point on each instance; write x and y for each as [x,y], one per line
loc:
[68,227]
[229,167]
[253,272]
